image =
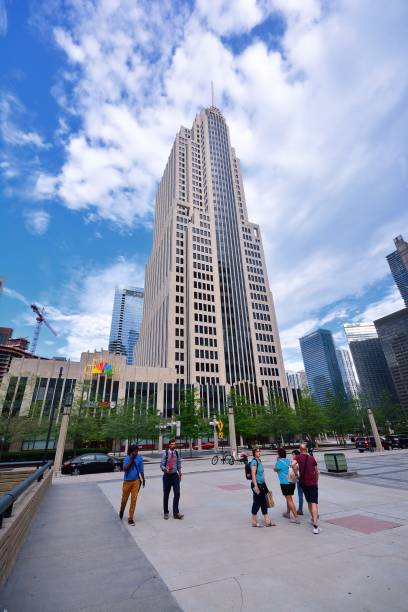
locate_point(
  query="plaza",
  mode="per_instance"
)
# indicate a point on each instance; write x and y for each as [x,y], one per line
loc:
[213,559]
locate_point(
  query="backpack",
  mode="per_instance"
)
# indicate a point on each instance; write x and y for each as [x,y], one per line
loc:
[167,456]
[248,473]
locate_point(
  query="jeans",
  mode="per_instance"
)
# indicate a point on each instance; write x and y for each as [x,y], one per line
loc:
[300,495]
[169,481]
[259,500]
[130,487]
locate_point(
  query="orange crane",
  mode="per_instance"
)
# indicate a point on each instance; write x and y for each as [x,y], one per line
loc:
[40,320]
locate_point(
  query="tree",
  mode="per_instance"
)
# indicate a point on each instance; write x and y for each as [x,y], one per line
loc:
[284,418]
[245,423]
[341,414]
[190,415]
[311,418]
[389,414]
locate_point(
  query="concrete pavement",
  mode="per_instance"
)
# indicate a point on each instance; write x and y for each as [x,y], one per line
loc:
[79,556]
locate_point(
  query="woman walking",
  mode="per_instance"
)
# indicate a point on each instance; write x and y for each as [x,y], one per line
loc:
[282,466]
[295,453]
[259,490]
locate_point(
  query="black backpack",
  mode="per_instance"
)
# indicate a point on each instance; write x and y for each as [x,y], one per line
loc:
[248,473]
[167,456]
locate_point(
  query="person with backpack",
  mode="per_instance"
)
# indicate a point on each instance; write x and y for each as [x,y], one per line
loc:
[171,467]
[287,478]
[134,476]
[309,478]
[259,489]
[299,510]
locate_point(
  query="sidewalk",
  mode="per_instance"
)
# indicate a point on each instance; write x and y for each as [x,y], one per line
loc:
[224,564]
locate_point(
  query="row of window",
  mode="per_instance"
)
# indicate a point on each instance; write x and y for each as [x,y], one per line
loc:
[206,367]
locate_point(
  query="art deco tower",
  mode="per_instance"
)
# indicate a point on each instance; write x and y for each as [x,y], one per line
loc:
[208,308]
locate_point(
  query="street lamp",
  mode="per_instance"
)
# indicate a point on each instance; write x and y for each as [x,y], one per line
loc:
[231,427]
[59,453]
[214,423]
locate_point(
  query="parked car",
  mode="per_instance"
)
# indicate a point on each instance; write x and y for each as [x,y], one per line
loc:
[397,440]
[92,463]
[364,443]
[204,446]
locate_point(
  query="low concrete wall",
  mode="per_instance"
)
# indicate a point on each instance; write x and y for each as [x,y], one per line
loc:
[14,528]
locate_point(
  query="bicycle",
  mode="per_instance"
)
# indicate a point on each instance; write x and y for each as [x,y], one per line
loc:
[224,458]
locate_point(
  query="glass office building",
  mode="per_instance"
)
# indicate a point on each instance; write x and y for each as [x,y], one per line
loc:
[393,334]
[126,320]
[347,373]
[321,365]
[370,363]
[398,262]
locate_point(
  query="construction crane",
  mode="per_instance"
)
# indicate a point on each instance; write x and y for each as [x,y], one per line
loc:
[40,319]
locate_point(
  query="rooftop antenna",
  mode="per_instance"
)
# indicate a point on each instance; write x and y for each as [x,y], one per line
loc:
[212,93]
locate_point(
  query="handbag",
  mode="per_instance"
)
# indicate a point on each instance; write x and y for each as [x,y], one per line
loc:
[270,502]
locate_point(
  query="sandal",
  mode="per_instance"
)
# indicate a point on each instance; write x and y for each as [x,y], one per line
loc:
[270,524]
[256,525]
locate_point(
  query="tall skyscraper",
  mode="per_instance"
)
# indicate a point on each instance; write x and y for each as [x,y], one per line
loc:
[393,334]
[369,360]
[321,365]
[347,373]
[398,262]
[208,308]
[126,321]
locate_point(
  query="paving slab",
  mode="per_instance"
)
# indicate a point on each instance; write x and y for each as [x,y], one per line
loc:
[225,564]
[78,556]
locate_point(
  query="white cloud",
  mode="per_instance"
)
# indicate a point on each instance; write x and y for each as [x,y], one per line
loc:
[10,110]
[320,128]
[381,308]
[83,319]
[37,221]
[15,295]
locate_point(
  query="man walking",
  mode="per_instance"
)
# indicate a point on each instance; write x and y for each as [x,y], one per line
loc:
[171,468]
[134,476]
[308,479]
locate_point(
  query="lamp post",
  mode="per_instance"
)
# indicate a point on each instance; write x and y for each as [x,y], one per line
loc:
[231,427]
[378,445]
[59,453]
[214,424]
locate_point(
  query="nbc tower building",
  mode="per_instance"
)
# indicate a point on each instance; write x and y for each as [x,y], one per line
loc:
[208,309]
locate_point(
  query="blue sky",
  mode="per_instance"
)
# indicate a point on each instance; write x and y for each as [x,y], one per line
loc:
[92,94]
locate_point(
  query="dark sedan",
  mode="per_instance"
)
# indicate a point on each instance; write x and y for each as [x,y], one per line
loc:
[92,463]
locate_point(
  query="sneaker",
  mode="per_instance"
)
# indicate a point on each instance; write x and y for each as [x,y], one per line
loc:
[166,516]
[131,522]
[286,515]
[316,529]
[121,514]
[300,513]
[179,516]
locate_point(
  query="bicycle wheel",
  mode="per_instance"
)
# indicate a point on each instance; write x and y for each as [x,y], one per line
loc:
[214,460]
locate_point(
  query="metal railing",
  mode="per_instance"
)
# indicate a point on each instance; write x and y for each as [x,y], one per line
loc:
[8,499]
[15,464]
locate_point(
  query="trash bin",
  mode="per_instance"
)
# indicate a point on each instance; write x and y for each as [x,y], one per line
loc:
[335,462]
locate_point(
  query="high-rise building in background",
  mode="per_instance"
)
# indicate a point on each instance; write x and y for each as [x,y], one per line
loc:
[370,363]
[398,262]
[321,365]
[347,373]
[208,309]
[126,320]
[393,334]
[297,383]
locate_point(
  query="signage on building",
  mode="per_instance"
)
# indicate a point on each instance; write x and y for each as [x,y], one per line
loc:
[102,368]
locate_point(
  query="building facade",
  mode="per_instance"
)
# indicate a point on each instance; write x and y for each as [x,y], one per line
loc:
[208,309]
[370,363]
[398,262]
[347,373]
[321,365]
[126,321]
[393,334]
[100,381]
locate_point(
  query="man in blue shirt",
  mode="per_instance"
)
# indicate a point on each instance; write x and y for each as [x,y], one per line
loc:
[171,467]
[134,476]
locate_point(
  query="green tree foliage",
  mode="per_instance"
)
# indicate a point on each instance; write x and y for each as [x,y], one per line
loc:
[342,415]
[284,418]
[390,415]
[192,423]
[310,416]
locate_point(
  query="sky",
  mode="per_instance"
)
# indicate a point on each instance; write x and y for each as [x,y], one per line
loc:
[315,93]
